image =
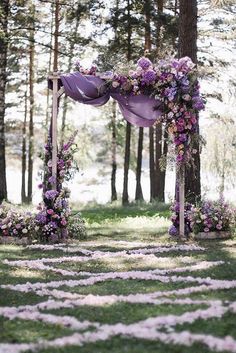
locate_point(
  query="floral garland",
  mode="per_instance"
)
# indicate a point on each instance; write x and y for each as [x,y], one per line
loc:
[174,83]
[54,221]
[54,213]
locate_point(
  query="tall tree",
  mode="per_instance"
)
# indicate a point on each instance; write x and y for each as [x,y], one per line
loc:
[147,48]
[4,11]
[31,101]
[23,153]
[158,182]
[125,195]
[113,152]
[188,47]
[74,17]
[49,70]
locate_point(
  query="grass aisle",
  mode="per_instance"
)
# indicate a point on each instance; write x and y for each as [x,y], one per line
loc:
[108,297]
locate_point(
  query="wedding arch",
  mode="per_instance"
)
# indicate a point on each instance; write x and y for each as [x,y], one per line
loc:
[165,93]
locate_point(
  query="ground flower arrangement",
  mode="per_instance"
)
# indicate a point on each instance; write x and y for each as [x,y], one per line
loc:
[151,298]
[209,219]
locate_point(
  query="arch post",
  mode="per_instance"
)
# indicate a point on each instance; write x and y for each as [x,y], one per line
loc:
[181,201]
[54,79]
[56,93]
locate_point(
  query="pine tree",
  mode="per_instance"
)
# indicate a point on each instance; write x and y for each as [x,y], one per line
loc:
[23,154]
[4,12]
[188,47]
[31,101]
[113,151]
[125,195]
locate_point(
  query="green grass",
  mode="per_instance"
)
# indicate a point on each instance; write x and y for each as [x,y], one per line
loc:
[107,225]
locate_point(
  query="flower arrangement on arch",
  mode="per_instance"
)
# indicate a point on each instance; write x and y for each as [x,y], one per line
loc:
[173,83]
[174,228]
[54,212]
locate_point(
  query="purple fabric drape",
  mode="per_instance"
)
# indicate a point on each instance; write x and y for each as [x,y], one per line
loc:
[140,110]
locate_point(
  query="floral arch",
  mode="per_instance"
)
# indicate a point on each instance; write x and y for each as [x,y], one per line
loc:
[166,93]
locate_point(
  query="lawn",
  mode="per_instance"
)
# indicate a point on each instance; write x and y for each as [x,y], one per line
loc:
[127,288]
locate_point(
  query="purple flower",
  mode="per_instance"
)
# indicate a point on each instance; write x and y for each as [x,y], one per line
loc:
[144,63]
[182,137]
[41,218]
[52,180]
[53,238]
[53,224]
[198,103]
[60,163]
[170,93]
[183,64]
[51,194]
[173,231]
[66,146]
[180,158]
[149,77]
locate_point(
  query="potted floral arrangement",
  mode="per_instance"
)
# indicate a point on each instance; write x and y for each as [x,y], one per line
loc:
[212,219]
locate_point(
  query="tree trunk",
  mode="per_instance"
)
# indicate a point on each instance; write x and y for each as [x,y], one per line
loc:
[139,192]
[158,152]
[4,10]
[56,34]
[163,172]
[147,47]
[65,105]
[23,155]
[49,70]
[113,152]
[31,110]
[188,47]
[151,163]
[158,183]
[125,194]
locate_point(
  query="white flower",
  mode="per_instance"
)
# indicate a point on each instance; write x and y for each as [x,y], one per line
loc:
[115,84]
[24,230]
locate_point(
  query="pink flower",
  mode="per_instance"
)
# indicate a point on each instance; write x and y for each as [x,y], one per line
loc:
[193,120]
[63,222]
[50,211]
[206,230]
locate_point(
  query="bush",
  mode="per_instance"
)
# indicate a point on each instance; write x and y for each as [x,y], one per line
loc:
[76,227]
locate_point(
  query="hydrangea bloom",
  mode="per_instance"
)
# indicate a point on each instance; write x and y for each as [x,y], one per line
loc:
[144,63]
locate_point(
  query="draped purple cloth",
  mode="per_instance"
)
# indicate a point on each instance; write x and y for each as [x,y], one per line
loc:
[140,110]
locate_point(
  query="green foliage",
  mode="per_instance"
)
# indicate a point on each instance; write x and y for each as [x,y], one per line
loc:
[76,227]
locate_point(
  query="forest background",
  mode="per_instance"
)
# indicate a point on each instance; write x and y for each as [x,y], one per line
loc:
[116,161]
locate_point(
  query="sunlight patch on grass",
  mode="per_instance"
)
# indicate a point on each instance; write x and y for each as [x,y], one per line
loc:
[27,273]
